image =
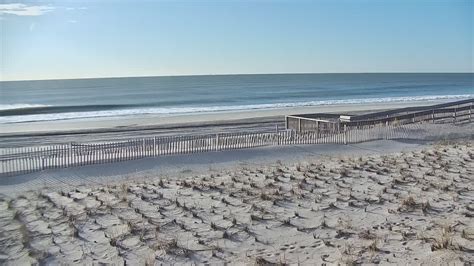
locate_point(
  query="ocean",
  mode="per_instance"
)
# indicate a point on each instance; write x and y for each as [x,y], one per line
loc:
[29,101]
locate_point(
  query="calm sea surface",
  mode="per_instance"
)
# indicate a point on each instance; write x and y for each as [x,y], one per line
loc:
[26,101]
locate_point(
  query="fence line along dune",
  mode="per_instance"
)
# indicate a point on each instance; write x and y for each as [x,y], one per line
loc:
[22,160]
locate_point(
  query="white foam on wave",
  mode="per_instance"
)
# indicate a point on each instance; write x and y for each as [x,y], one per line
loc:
[15,106]
[213,109]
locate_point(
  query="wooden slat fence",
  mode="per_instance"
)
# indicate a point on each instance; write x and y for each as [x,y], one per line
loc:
[22,160]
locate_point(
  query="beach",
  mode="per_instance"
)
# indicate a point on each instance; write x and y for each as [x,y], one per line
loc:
[121,128]
[376,202]
[236,133]
[388,201]
[142,102]
[392,200]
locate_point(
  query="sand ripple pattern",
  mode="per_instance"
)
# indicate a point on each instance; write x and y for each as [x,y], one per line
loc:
[411,207]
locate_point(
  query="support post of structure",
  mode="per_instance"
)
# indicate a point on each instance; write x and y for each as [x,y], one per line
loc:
[317,129]
[299,125]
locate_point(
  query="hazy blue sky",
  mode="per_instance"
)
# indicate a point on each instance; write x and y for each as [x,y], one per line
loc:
[72,39]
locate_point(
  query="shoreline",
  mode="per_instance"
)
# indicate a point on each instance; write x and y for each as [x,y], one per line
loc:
[136,123]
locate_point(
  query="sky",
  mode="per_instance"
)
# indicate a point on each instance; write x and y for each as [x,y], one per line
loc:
[110,38]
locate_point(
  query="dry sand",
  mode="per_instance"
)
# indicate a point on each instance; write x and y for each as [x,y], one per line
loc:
[413,207]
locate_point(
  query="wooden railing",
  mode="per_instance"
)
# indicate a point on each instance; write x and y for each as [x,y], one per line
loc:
[457,113]
[23,160]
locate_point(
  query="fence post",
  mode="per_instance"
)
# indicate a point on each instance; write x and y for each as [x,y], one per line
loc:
[172,145]
[65,154]
[54,158]
[71,154]
[217,141]
[116,153]
[470,113]
[93,154]
[49,160]
[15,160]
[27,161]
[127,150]
[345,134]
[454,116]
[108,151]
[7,163]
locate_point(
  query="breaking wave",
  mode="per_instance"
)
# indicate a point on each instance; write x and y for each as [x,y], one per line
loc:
[19,113]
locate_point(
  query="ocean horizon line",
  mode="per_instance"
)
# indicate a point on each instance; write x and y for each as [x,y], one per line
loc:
[232,74]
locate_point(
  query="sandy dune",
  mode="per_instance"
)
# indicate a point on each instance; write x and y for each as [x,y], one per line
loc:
[409,208]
